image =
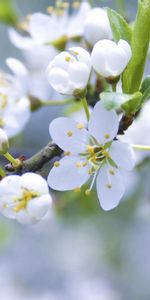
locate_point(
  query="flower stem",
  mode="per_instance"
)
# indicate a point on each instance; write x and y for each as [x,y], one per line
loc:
[15,162]
[86,109]
[141,147]
[2,173]
[57,102]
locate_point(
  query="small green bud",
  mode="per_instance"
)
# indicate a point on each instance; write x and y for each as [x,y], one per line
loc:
[4,144]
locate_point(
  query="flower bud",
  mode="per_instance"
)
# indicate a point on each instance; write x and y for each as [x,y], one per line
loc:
[4,145]
[97,26]
[110,59]
[68,73]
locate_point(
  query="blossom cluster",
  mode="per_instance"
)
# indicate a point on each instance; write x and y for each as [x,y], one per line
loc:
[66,54]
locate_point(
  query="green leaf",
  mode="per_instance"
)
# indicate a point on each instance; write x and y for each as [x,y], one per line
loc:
[119,26]
[8,13]
[132,76]
[129,103]
[133,105]
[145,88]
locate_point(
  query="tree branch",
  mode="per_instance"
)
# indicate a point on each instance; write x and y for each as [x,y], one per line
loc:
[37,161]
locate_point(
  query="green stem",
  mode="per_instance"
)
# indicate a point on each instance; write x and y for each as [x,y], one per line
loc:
[15,162]
[86,109]
[2,173]
[141,147]
[59,102]
[140,42]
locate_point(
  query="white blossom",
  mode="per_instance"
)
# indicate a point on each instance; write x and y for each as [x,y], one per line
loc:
[4,145]
[110,59]
[14,105]
[45,29]
[139,132]
[27,199]
[91,153]
[33,82]
[68,73]
[97,26]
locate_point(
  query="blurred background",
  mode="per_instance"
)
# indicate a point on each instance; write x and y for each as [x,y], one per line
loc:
[79,252]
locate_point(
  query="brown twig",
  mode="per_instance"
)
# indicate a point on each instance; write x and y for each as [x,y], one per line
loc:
[37,161]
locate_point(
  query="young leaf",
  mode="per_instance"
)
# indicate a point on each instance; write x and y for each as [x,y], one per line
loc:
[133,105]
[129,103]
[132,76]
[119,26]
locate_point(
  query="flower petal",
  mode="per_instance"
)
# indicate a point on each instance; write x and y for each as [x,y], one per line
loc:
[67,136]
[34,182]
[7,210]
[42,28]
[123,155]
[81,55]
[38,207]
[110,187]
[103,124]
[68,176]
[16,66]
[21,42]
[78,75]
[13,182]
[23,217]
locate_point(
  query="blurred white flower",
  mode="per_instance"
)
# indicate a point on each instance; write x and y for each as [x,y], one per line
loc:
[27,199]
[97,26]
[31,82]
[91,153]
[139,131]
[44,29]
[110,59]
[14,105]
[4,145]
[68,73]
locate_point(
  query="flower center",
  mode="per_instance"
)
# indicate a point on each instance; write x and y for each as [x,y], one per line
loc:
[96,155]
[21,202]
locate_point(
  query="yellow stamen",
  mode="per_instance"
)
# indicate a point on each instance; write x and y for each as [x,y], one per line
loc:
[76,4]
[67,153]
[90,171]
[67,58]
[24,199]
[56,164]
[65,5]
[2,122]
[105,153]
[80,126]
[84,164]
[3,101]
[94,158]
[87,192]
[70,133]
[77,190]
[111,172]
[109,186]
[90,149]
[79,165]
[50,9]
[107,136]
[75,53]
